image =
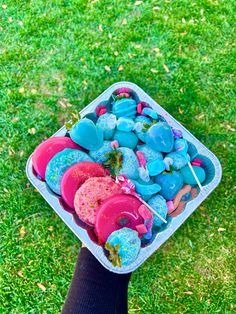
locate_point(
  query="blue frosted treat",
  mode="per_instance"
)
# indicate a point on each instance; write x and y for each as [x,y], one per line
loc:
[87,134]
[60,163]
[160,137]
[141,125]
[99,155]
[125,124]
[123,246]
[171,183]
[107,122]
[125,107]
[179,160]
[155,167]
[126,139]
[149,153]
[158,203]
[188,176]
[129,163]
[146,189]
[150,112]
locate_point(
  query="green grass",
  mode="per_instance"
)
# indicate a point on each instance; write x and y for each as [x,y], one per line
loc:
[50,50]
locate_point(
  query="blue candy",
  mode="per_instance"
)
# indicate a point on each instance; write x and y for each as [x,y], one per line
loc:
[150,112]
[107,122]
[170,184]
[125,124]
[155,167]
[188,176]
[160,137]
[125,107]
[99,155]
[179,160]
[139,127]
[181,146]
[129,163]
[126,139]
[149,153]
[146,189]
[158,203]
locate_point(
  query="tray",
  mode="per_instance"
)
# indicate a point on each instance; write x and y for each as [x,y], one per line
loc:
[210,162]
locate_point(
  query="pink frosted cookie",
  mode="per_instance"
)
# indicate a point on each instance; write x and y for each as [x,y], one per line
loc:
[47,149]
[90,196]
[75,176]
[117,212]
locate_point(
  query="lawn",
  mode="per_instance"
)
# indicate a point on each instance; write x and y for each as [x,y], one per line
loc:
[55,57]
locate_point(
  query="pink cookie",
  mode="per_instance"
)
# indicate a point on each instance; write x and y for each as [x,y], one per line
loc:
[91,195]
[115,213]
[75,176]
[47,149]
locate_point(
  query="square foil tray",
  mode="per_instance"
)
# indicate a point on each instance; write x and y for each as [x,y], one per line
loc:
[211,165]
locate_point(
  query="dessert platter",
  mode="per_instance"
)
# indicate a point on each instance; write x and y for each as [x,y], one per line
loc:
[123,175]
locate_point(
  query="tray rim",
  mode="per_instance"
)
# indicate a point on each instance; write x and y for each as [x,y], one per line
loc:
[191,206]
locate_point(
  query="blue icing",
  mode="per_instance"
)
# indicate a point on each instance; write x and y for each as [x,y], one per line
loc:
[158,203]
[129,244]
[60,163]
[99,155]
[125,107]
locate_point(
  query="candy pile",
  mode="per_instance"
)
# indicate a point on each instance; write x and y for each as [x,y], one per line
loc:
[124,170]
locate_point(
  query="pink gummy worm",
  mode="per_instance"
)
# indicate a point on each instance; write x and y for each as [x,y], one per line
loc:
[141,158]
[180,194]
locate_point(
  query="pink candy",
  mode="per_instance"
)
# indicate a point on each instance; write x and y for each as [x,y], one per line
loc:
[100,110]
[114,144]
[141,228]
[144,212]
[196,162]
[125,95]
[141,158]
[170,206]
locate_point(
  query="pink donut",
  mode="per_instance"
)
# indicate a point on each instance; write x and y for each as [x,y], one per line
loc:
[91,195]
[47,149]
[75,176]
[117,212]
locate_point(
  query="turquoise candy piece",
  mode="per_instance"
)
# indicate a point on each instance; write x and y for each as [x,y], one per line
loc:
[129,244]
[107,122]
[158,203]
[129,163]
[139,127]
[150,112]
[126,139]
[160,137]
[181,146]
[179,160]
[188,176]
[171,183]
[155,167]
[125,124]
[60,163]
[125,107]
[146,189]
[87,134]
[149,153]
[99,155]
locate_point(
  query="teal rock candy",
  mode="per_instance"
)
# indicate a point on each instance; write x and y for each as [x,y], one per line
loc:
[107,122]
[171,183]
[160,137]
[125,107]
[155,167]
[149,153]
[126,139]
[140,128]
[150,112]
[87,134]
[179,160]
[60,163]
[158,203]
[188,176]
[125,124]
[99,155]
[123,246]
[146,189]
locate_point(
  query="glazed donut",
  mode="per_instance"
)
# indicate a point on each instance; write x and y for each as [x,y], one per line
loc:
[115,213]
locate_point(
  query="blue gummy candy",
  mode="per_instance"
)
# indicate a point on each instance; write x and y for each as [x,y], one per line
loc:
[107,122]
[170,184]
[126,139]
[129,163]
[160,137]
[150,112]
[125,107]
[179,160]
[146,189]
[155,167]
[125,124]
[188,177]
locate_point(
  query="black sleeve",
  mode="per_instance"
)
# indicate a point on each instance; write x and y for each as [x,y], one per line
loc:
[96,290]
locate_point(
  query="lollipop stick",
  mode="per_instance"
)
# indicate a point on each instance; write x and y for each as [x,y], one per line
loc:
[152,210]
[194,174]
